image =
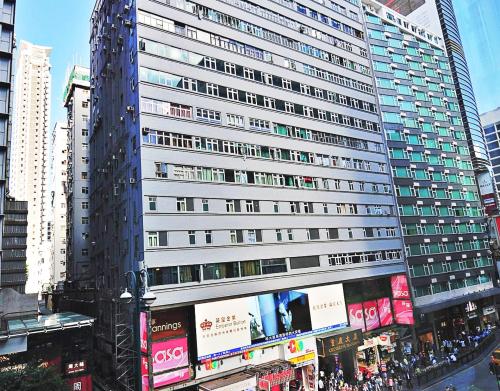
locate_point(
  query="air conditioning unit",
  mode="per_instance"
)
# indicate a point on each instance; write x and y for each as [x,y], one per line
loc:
[145,131]
[132,181]
[126,8]
[130,109]
[127,23]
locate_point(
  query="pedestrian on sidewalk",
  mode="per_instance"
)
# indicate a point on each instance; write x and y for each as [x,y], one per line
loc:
[409,383]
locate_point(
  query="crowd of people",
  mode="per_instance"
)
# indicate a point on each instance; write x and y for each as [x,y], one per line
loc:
[399,375]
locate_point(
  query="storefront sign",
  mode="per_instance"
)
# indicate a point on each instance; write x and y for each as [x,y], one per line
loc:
[300,351]
[384,340]
[76,367]
[81,383]
[488,310]
[384,311]
[371,315]
[266,382]
[399,285]
[236,325]
[170,354]
[170,323]
[143,332]
[403,312]
[167,378]
[335,344]
[356,317]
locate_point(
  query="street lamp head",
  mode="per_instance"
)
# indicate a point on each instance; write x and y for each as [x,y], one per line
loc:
[126,296]
[148,298]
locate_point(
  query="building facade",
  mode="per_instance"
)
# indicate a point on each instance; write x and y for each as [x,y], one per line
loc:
[76,101]
[491,125]
[58,180]
[29,156]
[443,223]
[235,148]
[7,10]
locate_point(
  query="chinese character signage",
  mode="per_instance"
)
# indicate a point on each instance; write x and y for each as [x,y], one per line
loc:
[236,325]
[170,354]
[399,285]
[403,312]
[339,343]
[76,367]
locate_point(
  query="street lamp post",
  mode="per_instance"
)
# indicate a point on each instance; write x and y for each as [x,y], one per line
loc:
[142,296]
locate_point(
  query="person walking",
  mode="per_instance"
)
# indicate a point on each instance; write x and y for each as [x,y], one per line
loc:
[409,383]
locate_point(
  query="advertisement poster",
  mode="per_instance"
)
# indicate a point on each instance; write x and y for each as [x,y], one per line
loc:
[171,377]
[170,323]
[384,311]
[81,383]
[403,312]
[230,326]
[371,315]
[356,318]
[170,354]
[143,332]
[144,373]
[399,285]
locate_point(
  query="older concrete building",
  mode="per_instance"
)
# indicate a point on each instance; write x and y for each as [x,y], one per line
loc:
[235,148]
[29,156]
[76,100]
[58,180]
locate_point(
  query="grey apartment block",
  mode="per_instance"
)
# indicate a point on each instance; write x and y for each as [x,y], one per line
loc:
[491,125]
[77,102]
[235,150]
[7,43]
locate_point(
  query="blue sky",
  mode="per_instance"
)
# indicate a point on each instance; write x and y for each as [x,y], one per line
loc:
[478,21]
[62,25]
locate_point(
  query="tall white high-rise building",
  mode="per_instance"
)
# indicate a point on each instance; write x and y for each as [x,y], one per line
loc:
[58,184]
[29,166]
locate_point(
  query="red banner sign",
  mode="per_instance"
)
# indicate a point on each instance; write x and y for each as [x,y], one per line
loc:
[403,312]
[81,383]
[356,318]
[399,285]
[384,311]
[371,315]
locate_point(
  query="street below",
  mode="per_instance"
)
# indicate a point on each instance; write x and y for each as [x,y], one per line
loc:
[474,378]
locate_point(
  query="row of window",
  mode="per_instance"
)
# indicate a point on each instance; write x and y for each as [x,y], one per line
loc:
[435,176]
[212,63]
[419,156]
[178,140]
[428,269]
[251,51]
[415,60]
[189,204]
[186,112]
[400,118]
[251,236]
[443,229]
[268,179]
[233,94]
[279,39]
[446,286]
[440,211]
[409,90]
[445,247]
[216,271]
[435,193]
[304,29]
[423,173]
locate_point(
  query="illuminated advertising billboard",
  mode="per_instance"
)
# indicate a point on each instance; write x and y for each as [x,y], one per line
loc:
[384,311]
[403,312]
[230,326]
[399,285]
[170,354]
[370,311]
[170,323]
[143,332]
[356,317]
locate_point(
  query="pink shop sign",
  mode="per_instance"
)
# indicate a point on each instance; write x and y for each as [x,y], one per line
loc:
[170,354]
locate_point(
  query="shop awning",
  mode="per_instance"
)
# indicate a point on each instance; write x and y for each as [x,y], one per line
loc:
[339,341]
[239,381]
[45,324]
[273,373]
